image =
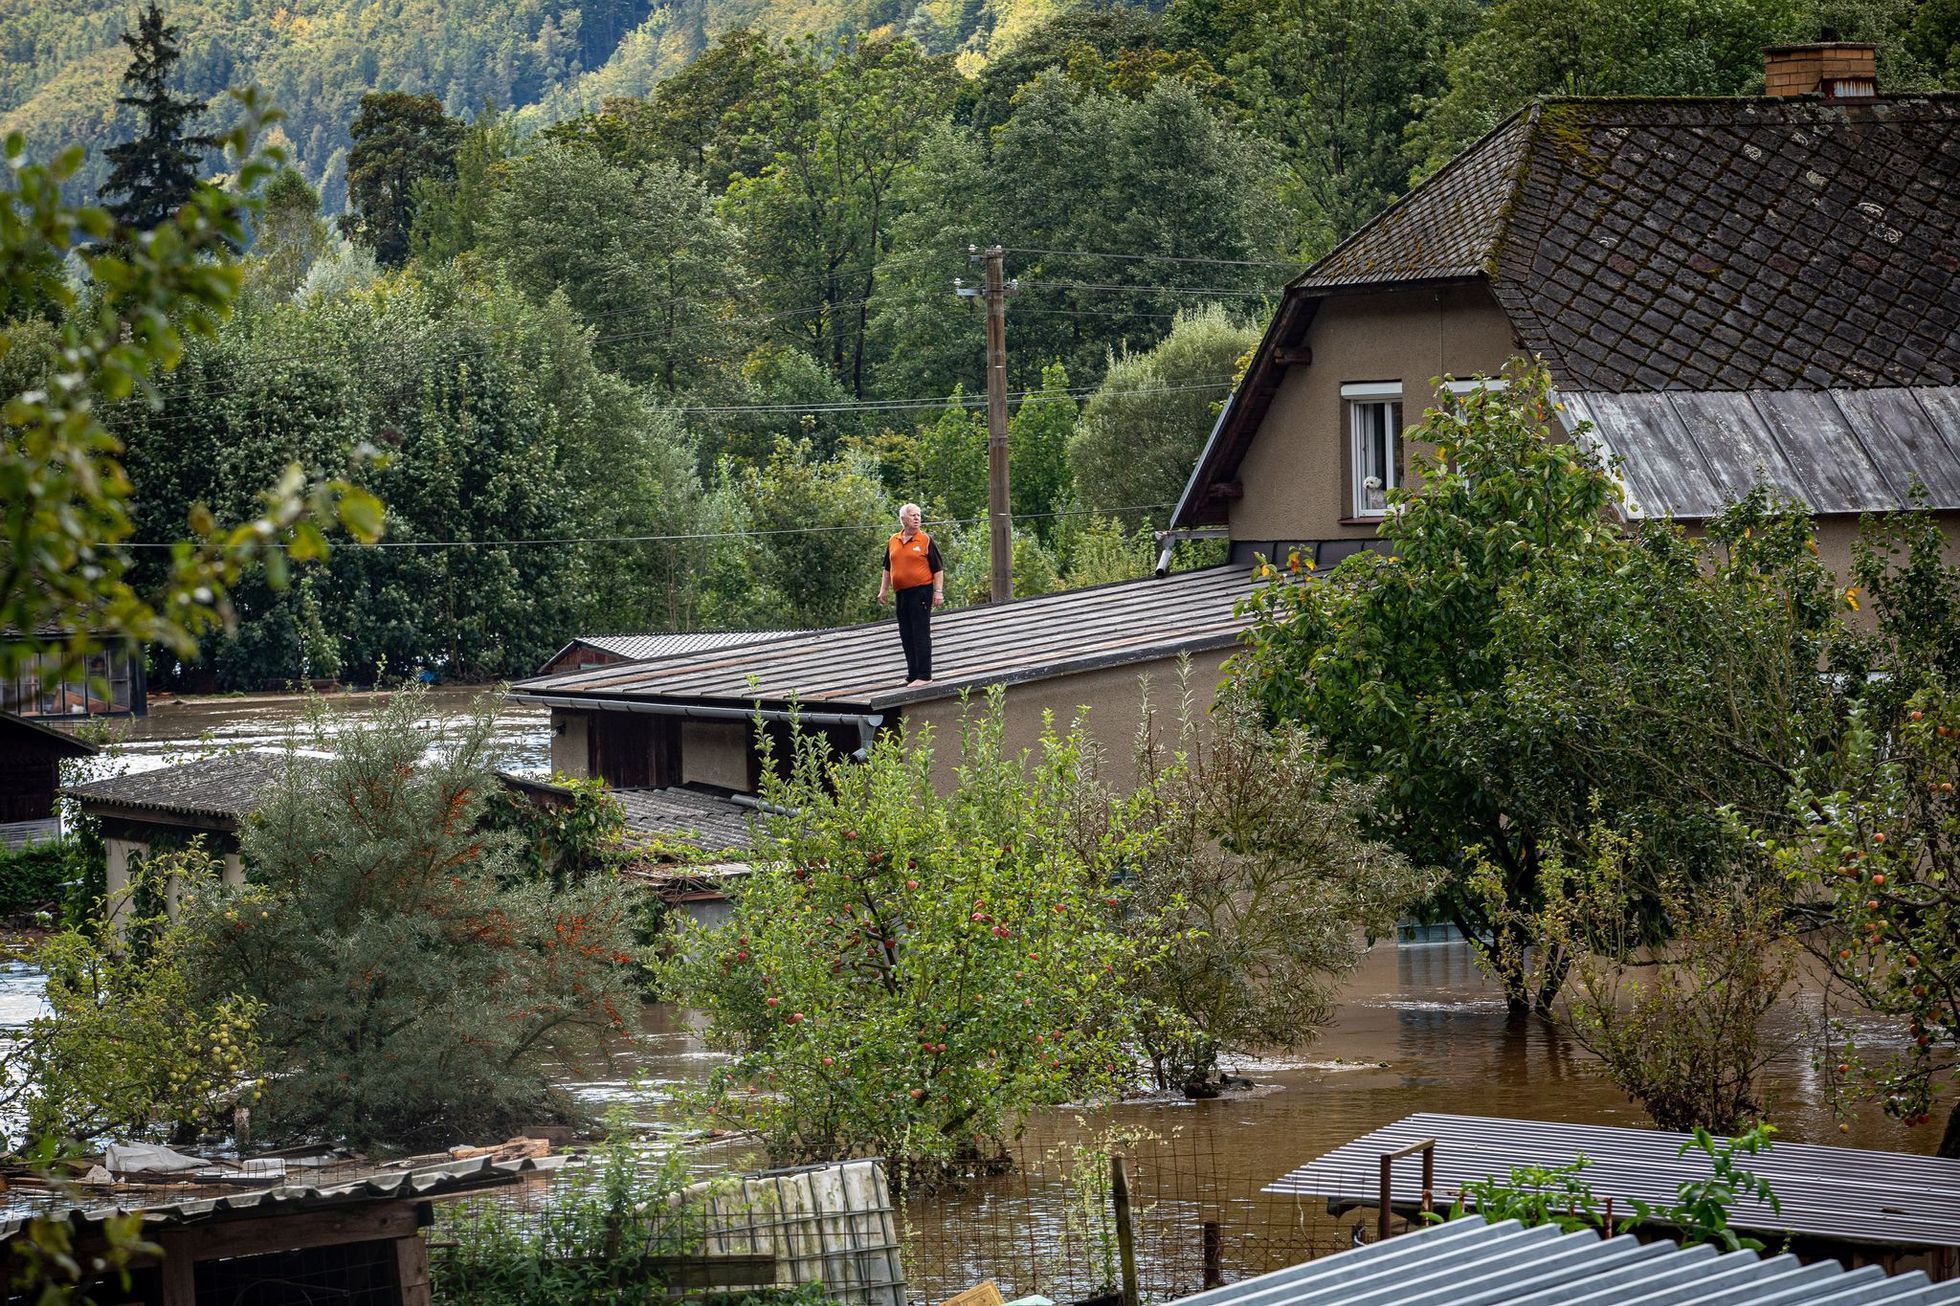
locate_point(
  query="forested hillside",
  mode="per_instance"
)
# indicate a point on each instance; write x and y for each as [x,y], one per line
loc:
[673,361]
[59,60]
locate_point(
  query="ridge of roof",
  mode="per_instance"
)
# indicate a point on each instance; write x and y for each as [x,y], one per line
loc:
[1503,152]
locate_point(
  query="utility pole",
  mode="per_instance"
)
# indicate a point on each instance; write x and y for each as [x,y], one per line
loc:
[1000,524]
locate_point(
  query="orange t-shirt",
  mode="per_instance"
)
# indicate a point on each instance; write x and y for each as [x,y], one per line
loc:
[911,562]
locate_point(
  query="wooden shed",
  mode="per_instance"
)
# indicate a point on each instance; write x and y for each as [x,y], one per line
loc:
[31,755]
[353,1239]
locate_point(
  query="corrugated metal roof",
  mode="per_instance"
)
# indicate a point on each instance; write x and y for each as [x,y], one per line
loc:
[223,788]
[373,1185]
[1470,1263]
[862,666]
[1891,1199]
[1688,453]
[709,822]
[660,644]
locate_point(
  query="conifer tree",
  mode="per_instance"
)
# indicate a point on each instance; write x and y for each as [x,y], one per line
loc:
[156,171]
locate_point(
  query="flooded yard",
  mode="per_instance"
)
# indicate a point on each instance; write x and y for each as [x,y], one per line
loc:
[1417,1028]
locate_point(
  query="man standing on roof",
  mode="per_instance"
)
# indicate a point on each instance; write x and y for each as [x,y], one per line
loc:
[917,578]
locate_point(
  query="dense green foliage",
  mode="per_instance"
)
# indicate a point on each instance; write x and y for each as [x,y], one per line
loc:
[129,1044]
[36,875]
[66,510]
[1524,672]
[409,974]
[1251,878]
[908,973]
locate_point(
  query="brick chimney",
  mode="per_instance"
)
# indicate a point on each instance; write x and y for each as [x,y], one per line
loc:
[1837,70]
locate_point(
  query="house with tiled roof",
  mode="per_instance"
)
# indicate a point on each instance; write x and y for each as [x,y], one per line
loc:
[1731,292]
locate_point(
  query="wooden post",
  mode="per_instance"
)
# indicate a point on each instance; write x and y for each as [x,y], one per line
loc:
[1000,527]
[1381,1219]
[412,1268]
[1126,1241]
[1214,1257]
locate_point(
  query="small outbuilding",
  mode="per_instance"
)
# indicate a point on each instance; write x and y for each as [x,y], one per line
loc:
[1854,1205]
[31,755]
[588,651]
[352,1237]
[1470,1263]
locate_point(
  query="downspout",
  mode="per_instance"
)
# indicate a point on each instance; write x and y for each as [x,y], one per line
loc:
[1169,540]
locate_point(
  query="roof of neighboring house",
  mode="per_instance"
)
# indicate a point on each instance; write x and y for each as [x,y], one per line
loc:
[659,644]
[46,737]
[861,668]
[1891,1199]
[1700,244]
[223,789]
[1471,1263]
[1688,453]
[710,822]
[1707,245]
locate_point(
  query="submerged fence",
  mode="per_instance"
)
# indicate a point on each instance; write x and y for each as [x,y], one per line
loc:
[1048,1224]
[1044,1224]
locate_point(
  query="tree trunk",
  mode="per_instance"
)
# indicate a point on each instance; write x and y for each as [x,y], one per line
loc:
[1950,1140]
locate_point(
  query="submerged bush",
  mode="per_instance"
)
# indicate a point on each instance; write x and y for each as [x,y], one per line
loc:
[413,979]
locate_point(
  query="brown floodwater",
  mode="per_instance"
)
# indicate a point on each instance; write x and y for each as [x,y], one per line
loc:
[1417,1028]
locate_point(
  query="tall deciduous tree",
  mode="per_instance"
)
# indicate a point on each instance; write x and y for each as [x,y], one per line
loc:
[156,171]
[1141,431]
[65,500]
[1524,671]
[844,126]
[640,254]
[398,140]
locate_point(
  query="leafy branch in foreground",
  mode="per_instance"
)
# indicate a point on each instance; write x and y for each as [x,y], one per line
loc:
[65,499]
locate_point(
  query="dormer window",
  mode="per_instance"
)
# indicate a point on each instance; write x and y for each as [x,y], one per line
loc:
[1374,462]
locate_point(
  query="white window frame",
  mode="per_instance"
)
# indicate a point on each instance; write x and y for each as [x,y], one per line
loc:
[1374,409]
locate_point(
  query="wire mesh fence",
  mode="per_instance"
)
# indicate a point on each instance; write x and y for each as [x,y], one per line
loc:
[1044,1222]
[1047,1225]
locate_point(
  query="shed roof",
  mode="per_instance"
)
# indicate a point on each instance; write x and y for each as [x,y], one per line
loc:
[44,738]
[659,644]
[709,822]
[223,789]
[1890,1199]
[1471,1263]
[860,667]
[341,1186]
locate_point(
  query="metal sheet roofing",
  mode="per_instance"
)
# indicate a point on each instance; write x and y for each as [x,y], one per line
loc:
[377,1184]
[707,821]
[1471,1263]
[1689,453]
[863,668]
[1890,1199]
[660,644]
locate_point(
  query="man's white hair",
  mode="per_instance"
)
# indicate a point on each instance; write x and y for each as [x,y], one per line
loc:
[904,508]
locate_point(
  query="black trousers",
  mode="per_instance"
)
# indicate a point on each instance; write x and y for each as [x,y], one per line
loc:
[915,629]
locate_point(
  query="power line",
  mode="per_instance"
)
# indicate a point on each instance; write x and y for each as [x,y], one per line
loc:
[1156,258]
[1212,292]
[699,536]
[937,402]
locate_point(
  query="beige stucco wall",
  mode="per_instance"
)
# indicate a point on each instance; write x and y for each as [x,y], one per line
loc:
[1113,699]
[569,752]
[1295,475]
[717,753]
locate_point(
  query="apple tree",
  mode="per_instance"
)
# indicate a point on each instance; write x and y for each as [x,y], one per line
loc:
[907,971]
